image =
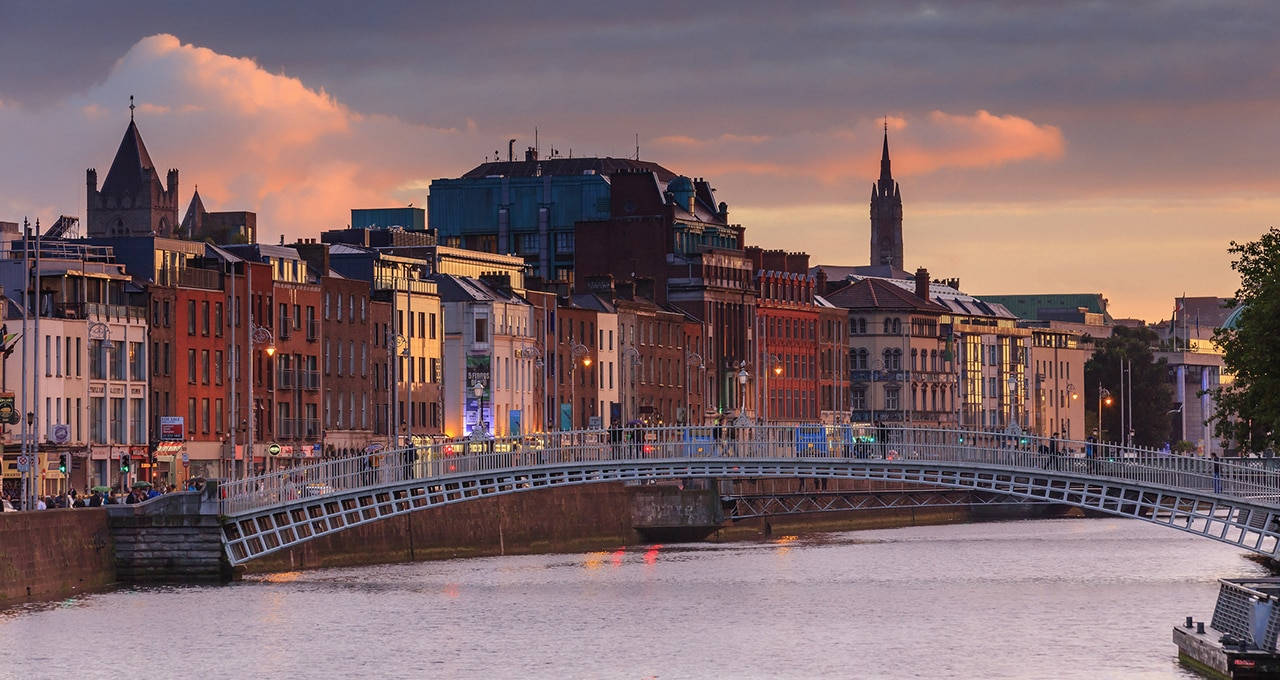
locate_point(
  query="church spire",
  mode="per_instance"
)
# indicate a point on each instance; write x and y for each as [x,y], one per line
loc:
[885,175]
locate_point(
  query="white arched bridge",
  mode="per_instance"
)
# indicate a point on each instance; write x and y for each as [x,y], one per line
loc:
[1230,502]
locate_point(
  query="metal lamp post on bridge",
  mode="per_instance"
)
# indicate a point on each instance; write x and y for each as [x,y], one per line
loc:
[775,362]
[398,346]
[576,350]
[258,335]
[631,359]
[689,358]
[528,352]
[479,431]
[1104,398]
[743,377]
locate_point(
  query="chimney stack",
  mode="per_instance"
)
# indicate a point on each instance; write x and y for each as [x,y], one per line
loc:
[922,283]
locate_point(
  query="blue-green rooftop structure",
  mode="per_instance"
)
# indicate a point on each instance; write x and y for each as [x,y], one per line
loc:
[408,218]
[528,207]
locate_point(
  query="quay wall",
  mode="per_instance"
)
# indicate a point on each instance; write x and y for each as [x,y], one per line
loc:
[574,518]
[54,554]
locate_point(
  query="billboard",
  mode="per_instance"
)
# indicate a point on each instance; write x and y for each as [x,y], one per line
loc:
[173,428]
[478,372]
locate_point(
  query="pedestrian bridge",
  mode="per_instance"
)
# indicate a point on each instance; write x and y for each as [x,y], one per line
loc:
[1229,502]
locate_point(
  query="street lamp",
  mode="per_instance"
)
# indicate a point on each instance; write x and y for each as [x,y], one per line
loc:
[776,362]
[743,377]
[1104,399]
[258,335]
[689,358]
[631,359]
[527,352]
[397,346]
[479,431]
[576,350]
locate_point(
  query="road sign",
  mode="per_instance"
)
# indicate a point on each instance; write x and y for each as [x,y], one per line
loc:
[186,458]
[24,463]
[594,423]
[60,433]
[274,449]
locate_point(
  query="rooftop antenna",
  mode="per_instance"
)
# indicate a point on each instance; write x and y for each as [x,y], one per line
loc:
[536,150]
[131,108]
[637,146]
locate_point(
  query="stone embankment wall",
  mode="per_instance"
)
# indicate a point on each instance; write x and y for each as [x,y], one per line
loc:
[587,517]
[174,538]
[54,554]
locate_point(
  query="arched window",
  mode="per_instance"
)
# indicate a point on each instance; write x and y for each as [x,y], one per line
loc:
[862,326]
[888,326]
[897,360]
[913,359]
[897,327]
[888,359]
[862,358]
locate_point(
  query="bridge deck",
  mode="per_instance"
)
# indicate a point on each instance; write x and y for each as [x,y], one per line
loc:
[1224,501]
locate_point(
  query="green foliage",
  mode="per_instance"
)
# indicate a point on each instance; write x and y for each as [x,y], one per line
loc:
[1248,408]
[1184,446]
[1152,394]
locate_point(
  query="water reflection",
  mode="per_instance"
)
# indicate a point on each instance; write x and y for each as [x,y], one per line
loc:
[1057,598]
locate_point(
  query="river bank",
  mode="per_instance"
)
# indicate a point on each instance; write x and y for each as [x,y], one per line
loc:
[55,554]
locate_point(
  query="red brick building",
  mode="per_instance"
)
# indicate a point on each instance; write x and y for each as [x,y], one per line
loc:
[682,248]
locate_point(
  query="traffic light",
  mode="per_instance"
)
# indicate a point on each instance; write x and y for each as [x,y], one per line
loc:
[124,463]
[62,463]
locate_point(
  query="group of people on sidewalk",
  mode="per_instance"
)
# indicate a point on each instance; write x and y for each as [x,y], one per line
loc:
[93,498]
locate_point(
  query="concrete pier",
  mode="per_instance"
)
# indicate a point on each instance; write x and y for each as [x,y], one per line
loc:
[174,538]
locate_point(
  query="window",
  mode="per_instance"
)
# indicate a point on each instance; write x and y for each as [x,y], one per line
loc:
[351,357]
[204,415]
[217,416]
[204,318]
[48,355]
[339,306]
[204,366]
[191,413]
[217,319]
[564,242]
[482,329]
[77,357]
[191,317]
[98,421]
[191,366]
[137,433]
[891,398]
[527,243]
[117,421]
[137,362]
[217,367]
[115,360]
[859,398]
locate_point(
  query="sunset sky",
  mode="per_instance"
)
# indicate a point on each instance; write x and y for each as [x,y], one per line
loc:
[1041,147]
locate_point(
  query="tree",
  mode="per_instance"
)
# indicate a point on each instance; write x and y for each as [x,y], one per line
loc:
[1248,408]
[1152,394]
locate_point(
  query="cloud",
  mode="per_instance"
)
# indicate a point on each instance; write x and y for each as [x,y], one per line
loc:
[250,139]
[802,166]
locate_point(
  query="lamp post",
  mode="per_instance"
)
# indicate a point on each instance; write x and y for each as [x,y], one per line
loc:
[1104,398]
[689,358]
[576,350]
[774,363]
[1071,396]
[480,430]
[527,352]
[258,335]
[743,377]
[631,359]
[397,346]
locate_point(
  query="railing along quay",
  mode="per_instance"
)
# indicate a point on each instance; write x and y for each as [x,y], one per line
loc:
[994,451]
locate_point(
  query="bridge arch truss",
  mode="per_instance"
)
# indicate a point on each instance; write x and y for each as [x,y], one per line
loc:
[1237,505]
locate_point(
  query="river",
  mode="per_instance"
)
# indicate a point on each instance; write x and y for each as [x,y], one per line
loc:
[1066,598]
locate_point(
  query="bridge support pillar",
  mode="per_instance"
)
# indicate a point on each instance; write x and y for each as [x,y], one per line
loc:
[175,538]
[667,513]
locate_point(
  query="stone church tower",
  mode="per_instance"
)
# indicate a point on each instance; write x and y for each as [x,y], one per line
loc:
[886,216]
[132,202]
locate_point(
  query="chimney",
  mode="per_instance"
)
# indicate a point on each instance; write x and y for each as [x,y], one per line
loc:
[601,285]
[644,287]
[922,283]
[530,154]
[821,284]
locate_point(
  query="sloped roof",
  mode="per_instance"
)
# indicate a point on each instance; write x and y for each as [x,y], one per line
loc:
[132,169]
[872,293]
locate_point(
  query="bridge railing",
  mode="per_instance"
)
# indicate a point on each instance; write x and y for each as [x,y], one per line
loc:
[814,443]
